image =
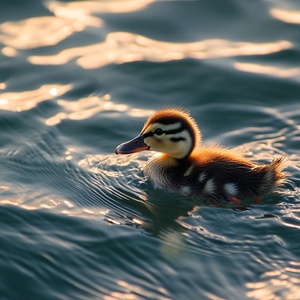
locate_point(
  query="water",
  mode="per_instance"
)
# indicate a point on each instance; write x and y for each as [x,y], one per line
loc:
[79,78]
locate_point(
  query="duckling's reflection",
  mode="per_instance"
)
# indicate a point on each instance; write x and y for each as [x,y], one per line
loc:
[117,183]
[165,210]
[130,198]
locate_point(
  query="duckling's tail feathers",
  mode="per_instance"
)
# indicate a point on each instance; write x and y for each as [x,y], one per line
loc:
[273,175]
[277,166]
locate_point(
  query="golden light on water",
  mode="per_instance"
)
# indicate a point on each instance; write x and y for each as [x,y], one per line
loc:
[286,16]
[267,70]
[68,19]
[88,7]
[127,291]
[80,109]
[9,51]
[41,31]
[20,101]
[123,47]
[87,107]
[285,283]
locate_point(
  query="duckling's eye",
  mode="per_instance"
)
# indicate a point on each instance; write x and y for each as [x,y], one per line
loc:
[159,131]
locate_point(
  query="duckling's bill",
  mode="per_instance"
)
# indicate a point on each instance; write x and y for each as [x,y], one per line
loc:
[135,145]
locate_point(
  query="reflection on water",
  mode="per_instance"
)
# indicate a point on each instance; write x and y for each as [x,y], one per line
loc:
[146,243]
[20,101]
[122,47]
[128,291]
[283,282]
[84,108]
[286,16]
[69,18]
[73,110]
[42,31]
[267,70]
[88,107]
[79,8]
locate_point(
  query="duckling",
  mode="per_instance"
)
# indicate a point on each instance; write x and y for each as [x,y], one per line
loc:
[213,173]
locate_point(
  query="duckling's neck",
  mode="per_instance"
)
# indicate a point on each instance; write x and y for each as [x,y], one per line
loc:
[170,161]
[162,169]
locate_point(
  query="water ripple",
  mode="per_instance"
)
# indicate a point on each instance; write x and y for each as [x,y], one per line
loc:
[26,100]
[124,47]
[287,16]
[280,281]
[42,31]
[79,222]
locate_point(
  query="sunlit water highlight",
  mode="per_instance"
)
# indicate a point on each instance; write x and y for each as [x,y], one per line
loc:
[81,77]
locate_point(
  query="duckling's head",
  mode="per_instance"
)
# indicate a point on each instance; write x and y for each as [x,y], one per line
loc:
[171,131]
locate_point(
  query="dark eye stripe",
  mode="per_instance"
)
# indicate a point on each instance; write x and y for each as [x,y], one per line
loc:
[173,131]
[177,139]
[148,134]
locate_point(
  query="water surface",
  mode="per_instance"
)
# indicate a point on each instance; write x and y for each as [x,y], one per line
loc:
[79,78]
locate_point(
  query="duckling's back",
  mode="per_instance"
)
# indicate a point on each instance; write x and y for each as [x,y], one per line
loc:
[228,179]
[216,174]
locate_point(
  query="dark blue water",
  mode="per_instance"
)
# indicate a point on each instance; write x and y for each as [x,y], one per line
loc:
[77,79]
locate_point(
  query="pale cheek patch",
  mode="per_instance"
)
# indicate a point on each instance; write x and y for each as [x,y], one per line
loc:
[209,186]
[177,149]
[231,189]
[181,134]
